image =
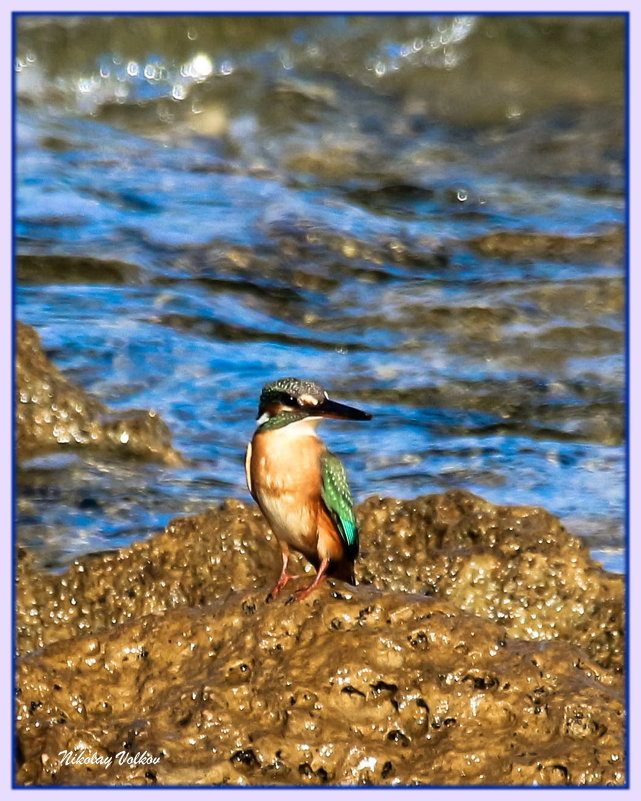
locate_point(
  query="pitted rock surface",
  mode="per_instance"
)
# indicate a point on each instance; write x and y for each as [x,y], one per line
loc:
[352,686]
[483,645]
[515,565]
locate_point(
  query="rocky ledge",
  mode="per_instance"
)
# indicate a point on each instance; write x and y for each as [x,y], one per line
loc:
[52,412]
[483,645]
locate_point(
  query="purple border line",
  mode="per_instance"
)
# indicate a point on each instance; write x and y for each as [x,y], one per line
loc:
[6,358]
[328,6]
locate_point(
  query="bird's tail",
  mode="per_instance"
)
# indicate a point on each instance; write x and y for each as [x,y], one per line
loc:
[343,570]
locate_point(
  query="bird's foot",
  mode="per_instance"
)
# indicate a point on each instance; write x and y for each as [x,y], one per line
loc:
[302,594]
[282,580]
[321,575]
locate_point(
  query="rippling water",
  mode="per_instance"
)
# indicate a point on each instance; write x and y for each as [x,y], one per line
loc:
[426,214]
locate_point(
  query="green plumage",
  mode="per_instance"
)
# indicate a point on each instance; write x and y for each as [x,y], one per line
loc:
[282,419]
[338,500]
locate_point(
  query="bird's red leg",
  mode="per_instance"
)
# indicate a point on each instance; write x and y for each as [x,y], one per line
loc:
[284,575]
[320,576]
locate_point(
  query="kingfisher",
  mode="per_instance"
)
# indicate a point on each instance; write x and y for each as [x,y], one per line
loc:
[299,485]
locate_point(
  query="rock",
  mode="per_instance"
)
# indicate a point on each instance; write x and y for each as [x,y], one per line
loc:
[508,673]
[352,686]
[516,565]
[608,247]
[511,564]
[63,269]
[51,412]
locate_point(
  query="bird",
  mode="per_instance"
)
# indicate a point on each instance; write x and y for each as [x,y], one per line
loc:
[299,485]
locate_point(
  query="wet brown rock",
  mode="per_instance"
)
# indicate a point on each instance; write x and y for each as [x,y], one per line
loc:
[577,299]
[353,686]
[510,673]
[514,565]
[194,561]
[524,246]
[61,269]
[51,411]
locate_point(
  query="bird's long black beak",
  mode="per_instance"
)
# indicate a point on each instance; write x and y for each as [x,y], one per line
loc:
[330,408]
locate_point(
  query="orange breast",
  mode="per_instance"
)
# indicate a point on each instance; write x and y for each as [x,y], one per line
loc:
[284,473]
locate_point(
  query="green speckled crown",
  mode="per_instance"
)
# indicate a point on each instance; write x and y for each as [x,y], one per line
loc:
[292,387]
[285,391]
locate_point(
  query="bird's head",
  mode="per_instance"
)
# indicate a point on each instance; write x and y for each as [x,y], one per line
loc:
[292,399]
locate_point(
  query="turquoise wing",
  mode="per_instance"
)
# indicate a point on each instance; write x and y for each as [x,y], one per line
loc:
[338,500]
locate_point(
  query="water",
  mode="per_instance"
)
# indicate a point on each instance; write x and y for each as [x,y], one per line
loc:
[310,196]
